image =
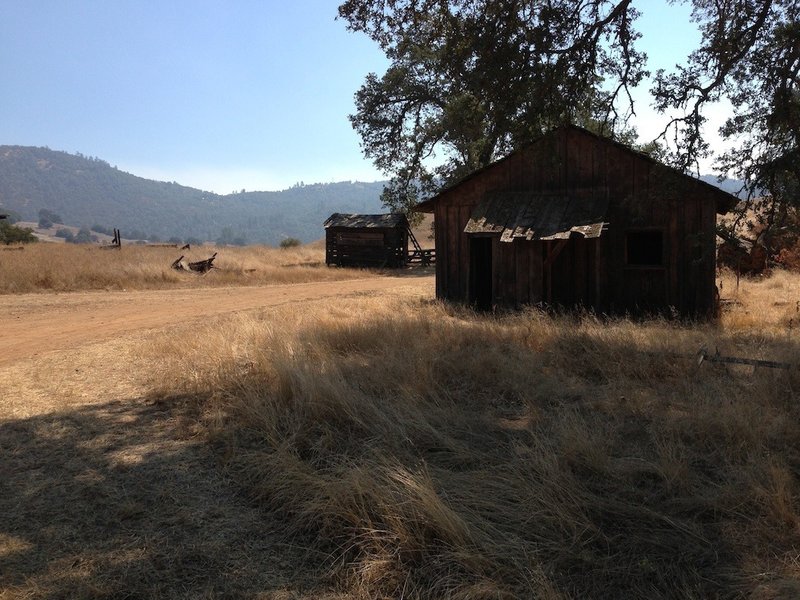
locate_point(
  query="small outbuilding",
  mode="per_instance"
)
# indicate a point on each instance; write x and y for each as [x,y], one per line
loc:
[353,240]
[575,219]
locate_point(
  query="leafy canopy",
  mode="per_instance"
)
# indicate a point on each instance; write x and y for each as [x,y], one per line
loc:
[470,80]
[749,56]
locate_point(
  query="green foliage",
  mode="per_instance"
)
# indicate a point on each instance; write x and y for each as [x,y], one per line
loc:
[11,234]
[47,218]
[11,216]
[84,236]
[66,234]
[471,80]
[749,56]
[228,238]
[290,242]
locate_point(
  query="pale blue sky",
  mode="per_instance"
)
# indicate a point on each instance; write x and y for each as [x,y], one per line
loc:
[220,95]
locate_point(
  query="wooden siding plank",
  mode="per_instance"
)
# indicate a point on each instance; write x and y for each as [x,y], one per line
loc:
[455,268]
[522,265]
[442,256]
[675,297]
[601,274]
[464,212]
[709,224]
[579,270]
[691,214]
[535,270]
[496,271]
[614,251]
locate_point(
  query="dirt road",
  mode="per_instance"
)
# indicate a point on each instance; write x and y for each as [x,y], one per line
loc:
[107,490]
[32,324]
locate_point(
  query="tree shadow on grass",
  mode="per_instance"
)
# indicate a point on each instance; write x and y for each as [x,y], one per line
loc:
[122,500]
[608,497]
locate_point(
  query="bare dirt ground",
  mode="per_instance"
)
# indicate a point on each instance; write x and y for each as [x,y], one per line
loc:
[107,493]
[32,324]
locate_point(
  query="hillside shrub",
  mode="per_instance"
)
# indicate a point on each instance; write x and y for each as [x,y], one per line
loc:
[66,234]
[47,218]
[290,242]
[11,234]
[84,236]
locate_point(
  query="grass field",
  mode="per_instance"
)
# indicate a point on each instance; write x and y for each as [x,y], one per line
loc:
[426,451]
[399,447]
[47,267]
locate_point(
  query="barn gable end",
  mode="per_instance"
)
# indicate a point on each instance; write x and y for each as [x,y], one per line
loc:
[577,219]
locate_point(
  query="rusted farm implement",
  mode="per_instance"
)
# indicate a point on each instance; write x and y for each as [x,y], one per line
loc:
[200,266]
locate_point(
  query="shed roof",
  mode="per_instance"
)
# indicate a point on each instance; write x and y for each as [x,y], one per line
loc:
[356,221]
[724,201]
[533,216]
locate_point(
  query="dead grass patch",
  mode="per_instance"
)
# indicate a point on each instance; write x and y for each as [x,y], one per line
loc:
[400,447]
[67,267]
[428,451]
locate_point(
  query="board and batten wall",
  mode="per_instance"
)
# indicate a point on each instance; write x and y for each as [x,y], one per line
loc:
[642,194]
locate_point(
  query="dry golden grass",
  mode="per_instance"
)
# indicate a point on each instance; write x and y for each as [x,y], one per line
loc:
[427,451]
[762,303]
[67,267]
[407,448]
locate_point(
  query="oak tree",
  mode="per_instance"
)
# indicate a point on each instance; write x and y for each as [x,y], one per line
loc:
[470,80]
[750,56]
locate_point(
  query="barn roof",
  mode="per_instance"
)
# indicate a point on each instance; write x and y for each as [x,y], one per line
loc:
[724,201]
[533,216]
[366,221]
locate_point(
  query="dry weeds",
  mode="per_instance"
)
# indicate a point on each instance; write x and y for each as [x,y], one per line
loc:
[433,452]
[419,450]
[66,267]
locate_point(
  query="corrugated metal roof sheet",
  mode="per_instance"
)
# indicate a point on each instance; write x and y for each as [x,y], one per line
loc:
[366,221]
[532,216]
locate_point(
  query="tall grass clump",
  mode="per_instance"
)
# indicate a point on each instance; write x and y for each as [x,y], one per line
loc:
[430,452]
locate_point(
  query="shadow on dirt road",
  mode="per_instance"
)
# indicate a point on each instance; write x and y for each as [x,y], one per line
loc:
[123,500]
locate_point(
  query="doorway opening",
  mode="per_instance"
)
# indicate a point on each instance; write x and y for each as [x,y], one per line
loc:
[480,256]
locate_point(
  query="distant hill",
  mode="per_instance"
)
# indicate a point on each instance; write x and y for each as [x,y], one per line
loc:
[87,191]
[732,186]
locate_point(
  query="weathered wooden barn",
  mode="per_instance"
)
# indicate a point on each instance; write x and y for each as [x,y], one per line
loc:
[575,219]
[366,240]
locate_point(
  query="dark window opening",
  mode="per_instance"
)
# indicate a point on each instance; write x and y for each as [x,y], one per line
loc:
[480,254]
[644,248]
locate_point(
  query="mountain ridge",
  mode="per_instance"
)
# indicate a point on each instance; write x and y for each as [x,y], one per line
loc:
[88,191]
